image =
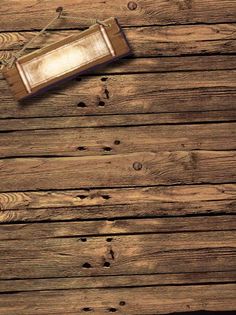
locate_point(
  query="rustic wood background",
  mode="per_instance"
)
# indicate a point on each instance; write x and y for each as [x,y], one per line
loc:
[118,189]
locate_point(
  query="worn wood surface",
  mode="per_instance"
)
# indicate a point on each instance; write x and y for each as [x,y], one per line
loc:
[118,189]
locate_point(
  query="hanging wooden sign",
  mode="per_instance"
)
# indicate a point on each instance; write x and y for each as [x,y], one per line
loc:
[38,71]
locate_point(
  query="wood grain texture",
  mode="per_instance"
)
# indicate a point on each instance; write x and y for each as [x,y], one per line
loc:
[137,300]
[157,64]
[150,41]
[27,14]
[124,120]
[125,254]
[128,226]
[113,141]
[133,169]
[100,282]
[117,196]
[134,93]
[118,189]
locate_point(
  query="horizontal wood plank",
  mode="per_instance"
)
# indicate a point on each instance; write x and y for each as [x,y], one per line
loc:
[157,64]
[88,142]
[86,228]
[16,124]
[133,169]
[130,301]
[117,281]
[125,254]
[134,93]
[150,41]
[24,15]
[118,196]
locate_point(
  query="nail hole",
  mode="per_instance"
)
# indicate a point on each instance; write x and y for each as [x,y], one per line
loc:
[81,148]
[109,239]
[122,303]
[87,309]
[107,149]
[117,142]
[83,239]
[112,309]
[81,196]
[101,103]
[106,264]
[81,104]
[104,79]
[87,265]
[106,197]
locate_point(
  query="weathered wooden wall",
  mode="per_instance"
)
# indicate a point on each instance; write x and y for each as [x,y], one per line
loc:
[118,189]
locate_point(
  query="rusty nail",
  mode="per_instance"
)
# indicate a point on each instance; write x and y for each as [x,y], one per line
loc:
[137,166]
[132,5]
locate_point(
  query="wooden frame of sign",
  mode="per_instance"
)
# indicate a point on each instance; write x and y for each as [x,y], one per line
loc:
[44,68]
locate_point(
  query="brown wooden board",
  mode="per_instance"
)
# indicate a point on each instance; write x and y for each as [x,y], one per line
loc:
[25,15]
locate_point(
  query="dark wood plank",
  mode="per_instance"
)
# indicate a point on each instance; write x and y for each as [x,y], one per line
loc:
[117,281]
[125,254]
[88,142]
[150,41]
[133,169]
[134,93]
[24,15]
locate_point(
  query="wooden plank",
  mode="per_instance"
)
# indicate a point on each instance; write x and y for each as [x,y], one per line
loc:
[24,15]
[118,196]
[88,142]
[142,210]
[134,93]
[88,228]
[150,41]
[117,281]
[158,64]
[132,169]
[126,254]
[161,300]
[16,124]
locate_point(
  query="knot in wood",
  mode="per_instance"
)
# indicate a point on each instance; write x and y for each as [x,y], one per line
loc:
[132,5]
[137,166]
